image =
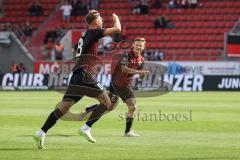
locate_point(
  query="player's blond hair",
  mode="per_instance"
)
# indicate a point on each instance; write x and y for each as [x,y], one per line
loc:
[91,16]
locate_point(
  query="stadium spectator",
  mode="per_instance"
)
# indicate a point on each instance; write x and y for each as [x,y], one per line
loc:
[163,22]
[157,55]
[157,4]
[35,8]
[94,4]
[148,55]
[79,8]
[184,4]
[161,56]
[58,50]
[14,67]
[144,7]
[21,68]
[87,3]
[193,3]
[27,29]
[157,23]
[59,31]
[51,36]
[66,11]
[75,7]
[136,7]
[178,4]
[7,27]
[171,4]
[2,27]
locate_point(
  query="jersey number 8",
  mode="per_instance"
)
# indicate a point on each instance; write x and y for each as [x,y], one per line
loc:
[79,49]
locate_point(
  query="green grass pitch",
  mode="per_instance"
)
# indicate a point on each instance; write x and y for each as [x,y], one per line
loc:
[213,132]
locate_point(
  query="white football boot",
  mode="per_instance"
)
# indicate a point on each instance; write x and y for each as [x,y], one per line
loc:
[131,134]
[85,132]
[39,138]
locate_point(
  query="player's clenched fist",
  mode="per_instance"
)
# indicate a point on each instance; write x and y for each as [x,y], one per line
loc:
[115,17]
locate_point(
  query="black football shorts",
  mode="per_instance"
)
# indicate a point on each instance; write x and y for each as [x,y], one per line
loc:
[124,93]
[82,84]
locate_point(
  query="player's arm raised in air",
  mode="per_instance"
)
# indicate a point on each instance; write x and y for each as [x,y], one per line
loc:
[116,26]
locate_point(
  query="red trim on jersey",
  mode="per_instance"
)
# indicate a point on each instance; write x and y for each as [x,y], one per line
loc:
[122,79]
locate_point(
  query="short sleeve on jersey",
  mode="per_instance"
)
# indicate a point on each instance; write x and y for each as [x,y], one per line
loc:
[99,33]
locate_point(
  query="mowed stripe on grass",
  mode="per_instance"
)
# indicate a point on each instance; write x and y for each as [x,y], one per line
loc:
[212,132]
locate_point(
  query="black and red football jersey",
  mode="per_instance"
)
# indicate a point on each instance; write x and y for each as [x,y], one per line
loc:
[130,60]
[87,49]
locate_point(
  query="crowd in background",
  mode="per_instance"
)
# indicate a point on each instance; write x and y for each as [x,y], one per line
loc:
[142,6]
[163,22]
[77,8]
[154,55]
[81,7]
[52,35]
[139,6]
[52,42]
[182,4]
[24,30]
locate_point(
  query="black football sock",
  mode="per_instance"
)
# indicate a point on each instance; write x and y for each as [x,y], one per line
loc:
[96,114]
[52,119]
[91,108]
[129,122]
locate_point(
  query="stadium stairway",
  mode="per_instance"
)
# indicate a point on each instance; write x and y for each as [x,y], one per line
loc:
[36,45]
[16,12]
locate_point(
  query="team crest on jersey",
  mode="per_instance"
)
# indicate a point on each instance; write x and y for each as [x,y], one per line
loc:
[83,34]
[124,59]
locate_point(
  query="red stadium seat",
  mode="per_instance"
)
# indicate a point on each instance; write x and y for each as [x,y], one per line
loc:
[196,29]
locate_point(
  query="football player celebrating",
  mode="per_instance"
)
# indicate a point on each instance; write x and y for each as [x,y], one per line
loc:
[82,82]
[130,63]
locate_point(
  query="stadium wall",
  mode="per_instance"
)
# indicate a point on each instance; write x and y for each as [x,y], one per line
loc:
[15,52]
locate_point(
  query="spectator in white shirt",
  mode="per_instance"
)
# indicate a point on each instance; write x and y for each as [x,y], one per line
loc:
[193,3]
[66,9]
[171,4]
